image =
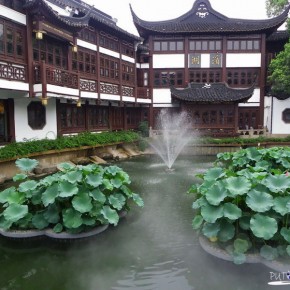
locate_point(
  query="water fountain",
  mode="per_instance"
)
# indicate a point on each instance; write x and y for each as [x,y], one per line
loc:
[174,135]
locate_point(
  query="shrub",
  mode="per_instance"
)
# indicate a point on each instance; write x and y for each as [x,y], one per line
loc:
[23,149]
[243,202]
[73,200]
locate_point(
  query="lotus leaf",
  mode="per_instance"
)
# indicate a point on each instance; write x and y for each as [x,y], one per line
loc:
[50,194]
[82,202]
[263,226]
[19,177]
[89,221]
[244,222]
[211,213]
[27,185]
[241,246]
[110,215]
[211,230]
[254,154]
[73,176]
[58,228]
[51,214]
[26,164]
[25,222]
[6,193]
[39,221]
[203,188]
[282,250]
[65,166]
[107,184]
[94,179]
[227,231]
[214,173]
[197,222]
[113,170]
[125,189]
[285,233]
[259,201]
[116,182]
[277,183]
[231,211]
[280,205]
[97,195]
[199,203]
[117,201]
[237,185]
[16,197]
[36,196]
[15,212]
[72,219]
[239,258]
[137,199]
[67,189]
[269,253]
[50,179]
[5,224]
[216,194]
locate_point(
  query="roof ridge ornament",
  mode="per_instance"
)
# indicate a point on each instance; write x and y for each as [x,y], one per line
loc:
[207,86]
[202,11]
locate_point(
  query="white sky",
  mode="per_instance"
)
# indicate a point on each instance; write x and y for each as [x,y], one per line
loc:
[155,10]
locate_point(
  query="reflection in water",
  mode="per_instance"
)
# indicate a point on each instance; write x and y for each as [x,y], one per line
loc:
[153,248]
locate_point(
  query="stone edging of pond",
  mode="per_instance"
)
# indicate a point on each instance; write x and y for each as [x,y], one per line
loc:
[27,234]
[218,252]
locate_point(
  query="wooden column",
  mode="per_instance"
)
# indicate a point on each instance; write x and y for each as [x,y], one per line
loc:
[262,84]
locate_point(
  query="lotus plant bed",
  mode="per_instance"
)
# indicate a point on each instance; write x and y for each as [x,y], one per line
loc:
[242,206]
[76,202]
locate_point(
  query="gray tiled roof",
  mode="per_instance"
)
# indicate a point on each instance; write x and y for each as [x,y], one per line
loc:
[202,18]
[214,93]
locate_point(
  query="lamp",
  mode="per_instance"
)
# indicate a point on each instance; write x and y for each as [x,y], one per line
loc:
[44,101]
[39,34]
[79,103]
[74,48]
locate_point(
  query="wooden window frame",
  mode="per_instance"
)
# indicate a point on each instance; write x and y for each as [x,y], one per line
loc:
[128,73]
[202,45]
[17,42]
[205,76]
[242,45]
[242,77]
[109,68]
[163,78]
[85,62]
[165,46]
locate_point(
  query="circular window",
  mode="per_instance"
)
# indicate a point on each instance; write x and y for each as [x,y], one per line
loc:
[286,116]
[36,115]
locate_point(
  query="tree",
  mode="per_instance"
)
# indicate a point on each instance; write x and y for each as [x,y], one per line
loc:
[279,69]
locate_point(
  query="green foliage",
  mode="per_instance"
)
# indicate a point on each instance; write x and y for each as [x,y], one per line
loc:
[21,149]
[279,70]
[73,200]
[244,202]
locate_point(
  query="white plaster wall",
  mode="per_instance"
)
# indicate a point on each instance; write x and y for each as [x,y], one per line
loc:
[24,131]
[127,58]
[243,60]
[205,60]
[109,52]
[278,125]
[12,14]
[168,61]
[267,112]
[86,44]
[161,96]
[254,100]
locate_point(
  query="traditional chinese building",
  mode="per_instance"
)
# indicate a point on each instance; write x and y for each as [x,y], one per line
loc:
[66,67]
[214,67]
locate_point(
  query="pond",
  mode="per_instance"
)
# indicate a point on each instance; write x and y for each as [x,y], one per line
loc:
[152,248]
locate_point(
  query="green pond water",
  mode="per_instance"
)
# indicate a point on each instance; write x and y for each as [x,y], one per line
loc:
[152,248]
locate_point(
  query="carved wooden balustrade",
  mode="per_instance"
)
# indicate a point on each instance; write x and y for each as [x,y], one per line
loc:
[13,72]
[50,75]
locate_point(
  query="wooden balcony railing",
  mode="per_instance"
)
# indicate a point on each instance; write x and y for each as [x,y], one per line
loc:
[13,72]
[55,76]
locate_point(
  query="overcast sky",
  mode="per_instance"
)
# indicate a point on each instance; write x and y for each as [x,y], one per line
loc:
[155,10]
